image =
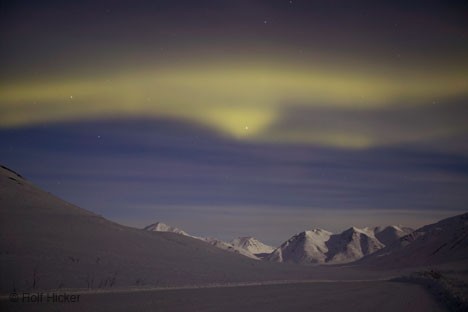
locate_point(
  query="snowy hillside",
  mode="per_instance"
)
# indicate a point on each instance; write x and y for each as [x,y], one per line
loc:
[229,247]
[444,241]
[162,227]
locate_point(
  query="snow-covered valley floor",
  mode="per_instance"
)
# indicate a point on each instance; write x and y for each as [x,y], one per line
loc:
[303,296]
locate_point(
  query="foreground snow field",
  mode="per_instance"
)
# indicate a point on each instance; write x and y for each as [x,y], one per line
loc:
[337,296]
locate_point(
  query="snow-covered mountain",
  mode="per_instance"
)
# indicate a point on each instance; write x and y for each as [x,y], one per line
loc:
[390,234]
[351,245]
[252,245]
[304,247]
[444,241]
[314,246]
[230,247]
[162,227]
[321,246]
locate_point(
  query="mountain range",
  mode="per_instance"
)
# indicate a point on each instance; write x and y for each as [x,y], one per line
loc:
[313,246]
[249,247]
[321,246]
[48,243]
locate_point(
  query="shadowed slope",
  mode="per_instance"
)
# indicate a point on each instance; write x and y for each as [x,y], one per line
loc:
[441,242]
[390,234]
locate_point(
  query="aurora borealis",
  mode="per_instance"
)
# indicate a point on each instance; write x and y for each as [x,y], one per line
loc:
[303,108]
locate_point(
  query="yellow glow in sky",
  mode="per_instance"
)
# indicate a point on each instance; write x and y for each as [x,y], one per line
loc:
[238,101]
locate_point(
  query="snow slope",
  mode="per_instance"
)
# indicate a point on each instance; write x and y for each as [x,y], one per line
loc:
[444,241]
[162,227]
[230,247]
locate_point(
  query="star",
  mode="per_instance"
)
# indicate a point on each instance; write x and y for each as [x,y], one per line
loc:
[246,128]
[71,97]
[265,21]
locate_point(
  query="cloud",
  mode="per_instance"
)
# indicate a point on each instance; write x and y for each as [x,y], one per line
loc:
[244,102]
[367,127]
[149,169]
[169,163]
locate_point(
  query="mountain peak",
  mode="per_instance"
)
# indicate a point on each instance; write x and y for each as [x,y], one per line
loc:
[252,245]
[319,231]
[163,227]
[357,230]
[321,246]
[246,238]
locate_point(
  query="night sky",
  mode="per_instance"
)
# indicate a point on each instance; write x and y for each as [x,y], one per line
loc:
[230,118]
